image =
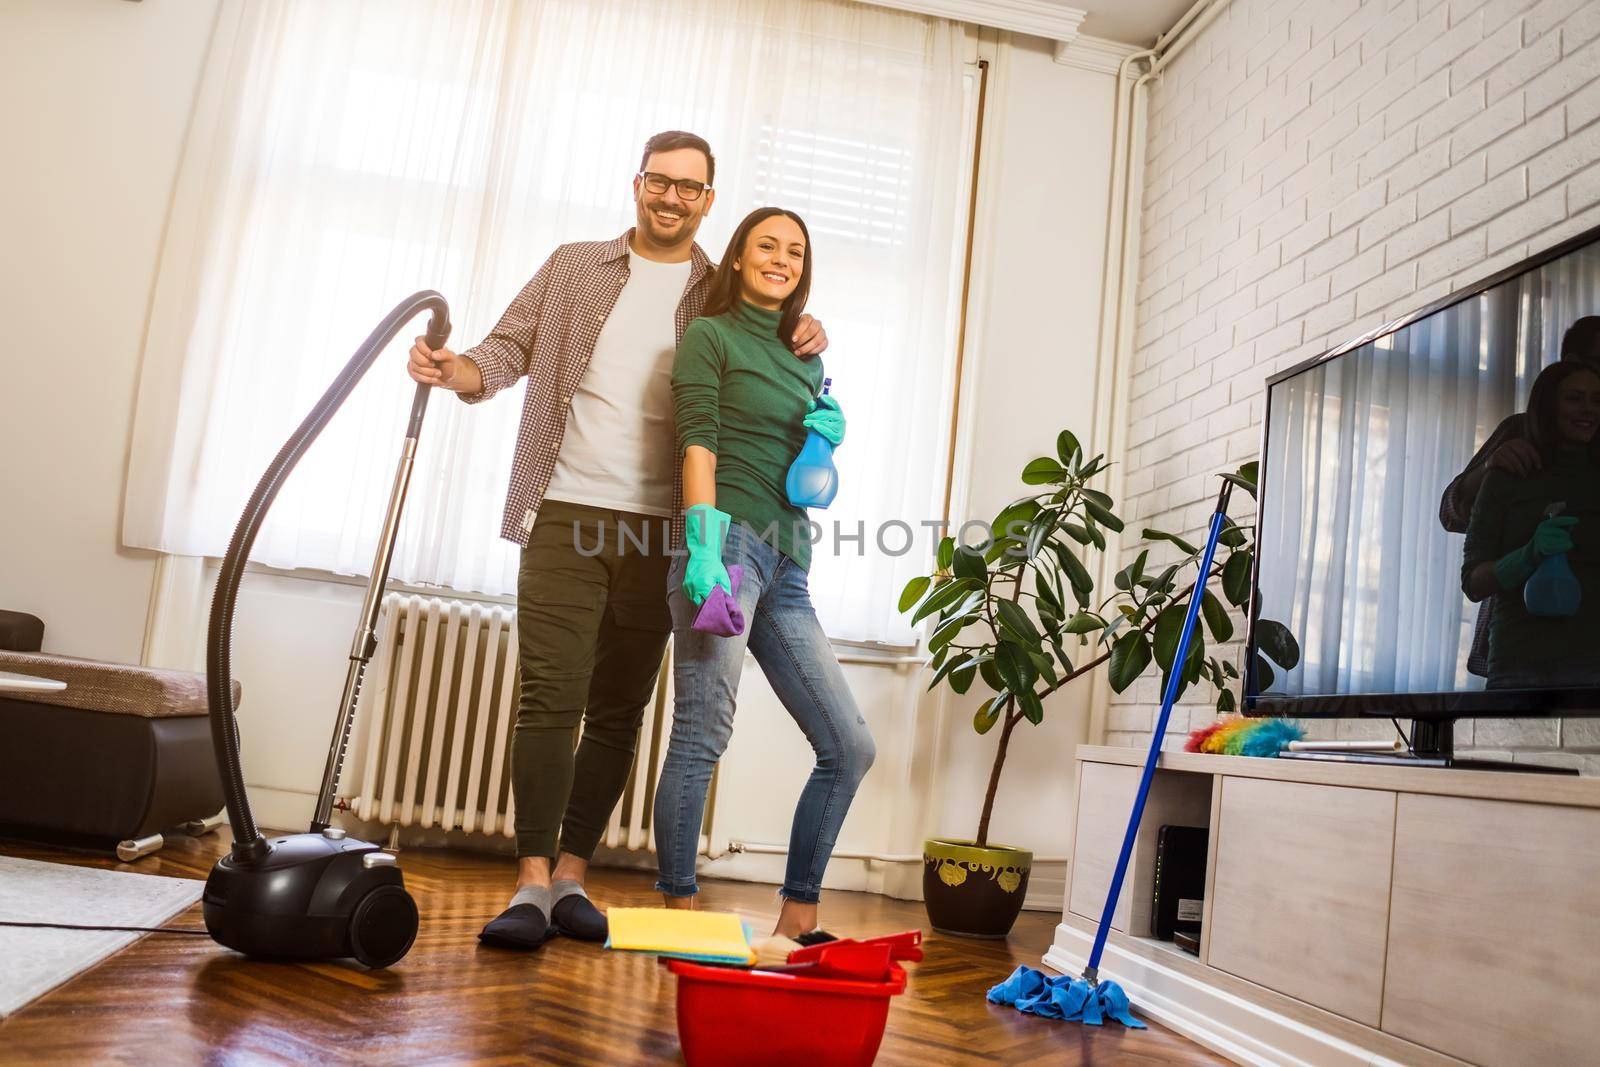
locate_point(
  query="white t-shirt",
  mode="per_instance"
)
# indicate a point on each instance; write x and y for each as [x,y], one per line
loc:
[618,449]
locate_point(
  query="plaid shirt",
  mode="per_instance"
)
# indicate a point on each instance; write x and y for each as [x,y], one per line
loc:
[1455,511]
[549,333]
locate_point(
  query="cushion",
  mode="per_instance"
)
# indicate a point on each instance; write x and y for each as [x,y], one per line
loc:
[114,688]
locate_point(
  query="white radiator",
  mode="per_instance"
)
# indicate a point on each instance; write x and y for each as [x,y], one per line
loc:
[432,744]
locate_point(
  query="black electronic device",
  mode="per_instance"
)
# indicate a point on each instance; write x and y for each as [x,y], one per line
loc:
[317,895]
[1179,886]
[1360,546]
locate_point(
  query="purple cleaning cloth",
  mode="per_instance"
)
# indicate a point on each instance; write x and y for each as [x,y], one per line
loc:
[719,614]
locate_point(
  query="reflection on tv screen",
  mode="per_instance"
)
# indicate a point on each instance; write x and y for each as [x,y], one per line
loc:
[1430,501]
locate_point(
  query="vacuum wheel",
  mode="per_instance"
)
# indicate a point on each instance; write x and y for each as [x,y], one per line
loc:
[383,927]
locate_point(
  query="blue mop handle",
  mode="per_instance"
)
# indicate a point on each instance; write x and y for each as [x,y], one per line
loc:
[1091,973]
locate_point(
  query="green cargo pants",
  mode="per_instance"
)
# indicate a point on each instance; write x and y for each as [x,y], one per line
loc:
[592,624]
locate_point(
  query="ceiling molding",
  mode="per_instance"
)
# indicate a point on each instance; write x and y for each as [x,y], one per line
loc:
[1094,53]
[1049,19]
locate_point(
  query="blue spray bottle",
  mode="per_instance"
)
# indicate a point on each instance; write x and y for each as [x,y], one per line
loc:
[1553,592]
[813,479]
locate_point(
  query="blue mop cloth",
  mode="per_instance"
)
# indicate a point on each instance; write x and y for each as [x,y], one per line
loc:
[1071,999]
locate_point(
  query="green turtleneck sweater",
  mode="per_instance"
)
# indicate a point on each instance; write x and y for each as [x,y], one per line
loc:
[740,393]
[1524,649]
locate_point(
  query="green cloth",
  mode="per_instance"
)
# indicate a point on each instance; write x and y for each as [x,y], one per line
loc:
[1524,649]
[741,393]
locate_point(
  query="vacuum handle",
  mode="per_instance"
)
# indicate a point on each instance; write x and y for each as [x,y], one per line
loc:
[248,842]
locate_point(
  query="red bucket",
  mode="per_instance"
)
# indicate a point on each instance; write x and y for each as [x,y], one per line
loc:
[728,1017]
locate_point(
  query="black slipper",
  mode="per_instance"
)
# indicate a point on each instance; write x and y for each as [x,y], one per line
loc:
[521,926]
[575,916]
[818,936]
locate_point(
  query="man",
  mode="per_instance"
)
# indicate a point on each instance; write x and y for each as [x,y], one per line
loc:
[594,486]
[1509,449]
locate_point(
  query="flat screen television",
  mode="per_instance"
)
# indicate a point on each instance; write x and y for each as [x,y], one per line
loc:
[1385,563]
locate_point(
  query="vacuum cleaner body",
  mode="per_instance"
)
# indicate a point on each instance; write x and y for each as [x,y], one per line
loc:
[318,895]
[313,896]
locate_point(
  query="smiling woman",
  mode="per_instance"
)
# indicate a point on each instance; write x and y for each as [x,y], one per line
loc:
[340,156]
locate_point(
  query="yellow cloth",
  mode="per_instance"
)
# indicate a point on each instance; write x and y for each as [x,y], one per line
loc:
[706,934]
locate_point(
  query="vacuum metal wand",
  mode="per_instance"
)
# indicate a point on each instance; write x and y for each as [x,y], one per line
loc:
[366,637]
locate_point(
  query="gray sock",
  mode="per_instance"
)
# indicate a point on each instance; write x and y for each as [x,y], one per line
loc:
[537,895]
[565,887]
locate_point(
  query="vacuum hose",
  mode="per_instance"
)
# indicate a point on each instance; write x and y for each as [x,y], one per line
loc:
[248,844]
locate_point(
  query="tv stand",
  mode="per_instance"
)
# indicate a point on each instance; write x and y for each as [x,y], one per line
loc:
[1352,913]
[1435,739]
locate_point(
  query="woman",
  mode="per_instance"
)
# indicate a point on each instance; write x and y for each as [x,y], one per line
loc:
[1518,522]
[744,405]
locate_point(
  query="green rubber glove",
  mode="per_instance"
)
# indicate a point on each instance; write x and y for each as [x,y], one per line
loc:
[1550,538]
[705,528]
[825,417]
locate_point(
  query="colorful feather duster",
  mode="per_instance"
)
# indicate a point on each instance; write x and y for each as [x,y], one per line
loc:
[1235,735]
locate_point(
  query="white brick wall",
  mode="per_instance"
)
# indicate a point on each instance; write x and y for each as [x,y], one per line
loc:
[1312,170]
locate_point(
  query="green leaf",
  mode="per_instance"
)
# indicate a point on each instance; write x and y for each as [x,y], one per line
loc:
[1077,574]
[1020,513]
[1250,472]
[961,680]
[1067,446]
[1168,628]
[1047,594]
[1062,657]
[1236,578]
[1245,478]
[913,592]
[1231,536]
[947,632]
[1217,620]
[1103,499]
[969,564]
[1225,704]
[1042,529]
[1016,669]
[1077,533]
[1015,621]
[955,663]
[938,658]
[1274,639]
[991,674]
[1031,707]
[988,714]
[1101,513]
[1129,658]
[1043,471]
[1162,535]
[1084,622]
[1045,666]
[948,593]
[1229,670]
[946,553]
[1264,675]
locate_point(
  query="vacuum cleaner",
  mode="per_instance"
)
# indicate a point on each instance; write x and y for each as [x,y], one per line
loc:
[319,895]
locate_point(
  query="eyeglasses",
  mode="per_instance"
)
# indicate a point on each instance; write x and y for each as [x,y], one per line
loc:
[688,189]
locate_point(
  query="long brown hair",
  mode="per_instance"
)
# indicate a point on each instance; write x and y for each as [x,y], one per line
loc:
[1544,404]
[725,286]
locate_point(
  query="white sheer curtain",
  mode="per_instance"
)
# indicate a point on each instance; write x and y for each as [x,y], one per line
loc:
[345,155]
[1353,557]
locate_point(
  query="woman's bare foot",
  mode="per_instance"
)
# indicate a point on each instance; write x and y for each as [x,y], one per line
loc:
[795,919]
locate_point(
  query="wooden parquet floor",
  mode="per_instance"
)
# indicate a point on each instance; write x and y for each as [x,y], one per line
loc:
[177,1000]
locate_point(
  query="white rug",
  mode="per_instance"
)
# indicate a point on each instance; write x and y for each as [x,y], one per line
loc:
[33,961]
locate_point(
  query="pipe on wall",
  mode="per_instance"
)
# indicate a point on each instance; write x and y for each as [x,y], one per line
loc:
[1122,243]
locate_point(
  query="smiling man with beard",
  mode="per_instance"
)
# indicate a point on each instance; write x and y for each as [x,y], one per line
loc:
[594,490]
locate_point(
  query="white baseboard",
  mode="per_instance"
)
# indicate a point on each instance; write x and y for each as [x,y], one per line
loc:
[1226,1024]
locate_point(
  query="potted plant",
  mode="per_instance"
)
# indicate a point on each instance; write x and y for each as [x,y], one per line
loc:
[1020,616]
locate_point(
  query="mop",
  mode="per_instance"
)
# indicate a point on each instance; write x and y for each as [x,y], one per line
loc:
[1090,999]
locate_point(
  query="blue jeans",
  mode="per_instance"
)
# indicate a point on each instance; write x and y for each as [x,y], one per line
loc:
[782,632]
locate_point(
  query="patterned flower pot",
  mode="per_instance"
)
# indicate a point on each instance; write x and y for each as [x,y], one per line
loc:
[972,891]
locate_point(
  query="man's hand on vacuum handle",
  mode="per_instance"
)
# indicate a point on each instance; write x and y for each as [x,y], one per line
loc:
[444,368]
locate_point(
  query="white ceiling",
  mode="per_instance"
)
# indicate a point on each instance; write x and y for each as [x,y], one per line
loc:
[1130,21]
